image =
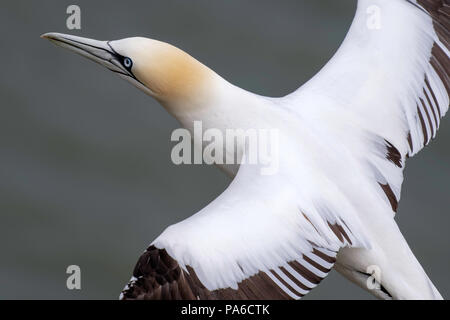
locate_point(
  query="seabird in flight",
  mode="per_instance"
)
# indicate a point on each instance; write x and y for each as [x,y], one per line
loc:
[344,139]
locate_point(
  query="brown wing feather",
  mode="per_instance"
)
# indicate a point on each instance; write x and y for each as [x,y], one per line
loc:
[157,276]
[439,10]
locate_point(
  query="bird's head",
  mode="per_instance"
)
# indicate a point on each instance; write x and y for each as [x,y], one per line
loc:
[161,70]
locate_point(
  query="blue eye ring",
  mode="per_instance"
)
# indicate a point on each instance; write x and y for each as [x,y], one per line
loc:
[127,62]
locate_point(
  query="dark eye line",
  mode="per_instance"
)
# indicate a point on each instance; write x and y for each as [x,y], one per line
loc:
[120,57]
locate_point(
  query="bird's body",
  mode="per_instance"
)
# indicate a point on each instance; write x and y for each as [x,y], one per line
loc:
[343,140]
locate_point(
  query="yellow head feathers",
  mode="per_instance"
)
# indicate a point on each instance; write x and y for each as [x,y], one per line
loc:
[170,73]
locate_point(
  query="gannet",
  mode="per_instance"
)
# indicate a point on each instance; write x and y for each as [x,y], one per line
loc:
[345,136]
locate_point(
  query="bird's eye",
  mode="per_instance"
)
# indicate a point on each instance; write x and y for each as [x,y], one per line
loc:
[127,63]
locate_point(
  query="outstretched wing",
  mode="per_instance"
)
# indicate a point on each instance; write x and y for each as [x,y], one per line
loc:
[253,242]
[157,276]
[379,100]
[385,91]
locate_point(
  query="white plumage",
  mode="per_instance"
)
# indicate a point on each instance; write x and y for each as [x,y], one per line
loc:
[344,139]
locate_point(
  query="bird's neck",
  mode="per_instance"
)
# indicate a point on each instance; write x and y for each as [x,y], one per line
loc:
[222,109]
[216,103]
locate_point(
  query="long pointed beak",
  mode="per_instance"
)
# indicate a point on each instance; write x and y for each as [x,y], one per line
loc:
[95,50]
